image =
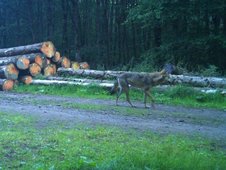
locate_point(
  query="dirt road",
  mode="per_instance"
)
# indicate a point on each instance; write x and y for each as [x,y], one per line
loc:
[164,119]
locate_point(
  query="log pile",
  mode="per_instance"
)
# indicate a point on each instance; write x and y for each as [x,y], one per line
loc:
[23,63]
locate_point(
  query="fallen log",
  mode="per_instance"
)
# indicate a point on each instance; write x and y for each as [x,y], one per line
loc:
[26,79]
[62,82]
[173,79]
[64,62]
[37,58]
[49,70]
[97,74]
[84,65]
[9,72]
[6,84]
[33,70]
[75,65]
[198,81]
[79,80]
[56,58]
[22,61]
[46,48]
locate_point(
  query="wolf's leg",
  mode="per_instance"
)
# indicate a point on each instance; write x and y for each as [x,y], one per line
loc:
[118,94]
[126,90]
[145,99]
[147,93]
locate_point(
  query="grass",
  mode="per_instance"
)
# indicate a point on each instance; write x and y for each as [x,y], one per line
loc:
[58,145]
[177,95]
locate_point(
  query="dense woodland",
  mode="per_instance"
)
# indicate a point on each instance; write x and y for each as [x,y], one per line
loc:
[123,34]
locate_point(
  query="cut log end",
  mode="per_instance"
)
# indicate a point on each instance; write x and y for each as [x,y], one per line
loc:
[11,72]
[6,85]
[34,69]
[39,60]
[26,79]
[23,63]
[65,63]
[75,65]
[48,49]
[50,70]
[56,58]
[84,65]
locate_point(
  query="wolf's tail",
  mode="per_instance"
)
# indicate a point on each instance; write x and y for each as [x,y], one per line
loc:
[114,88]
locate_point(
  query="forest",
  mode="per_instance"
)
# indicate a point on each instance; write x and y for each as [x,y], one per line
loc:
[140,35]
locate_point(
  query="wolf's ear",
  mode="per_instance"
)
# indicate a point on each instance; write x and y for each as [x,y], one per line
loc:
[169,68]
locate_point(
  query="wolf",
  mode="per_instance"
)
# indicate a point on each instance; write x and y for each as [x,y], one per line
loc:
[144,81]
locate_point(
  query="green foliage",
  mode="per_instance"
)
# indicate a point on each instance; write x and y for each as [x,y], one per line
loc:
[59,145]
[182,92]
[121,34]
[211,70]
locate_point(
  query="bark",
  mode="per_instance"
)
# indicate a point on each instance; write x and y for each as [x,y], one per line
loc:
[173,79]
[45,47]
[89,73]
[81,80]
[9,72]
[198,81]
[6,84]
[63,82]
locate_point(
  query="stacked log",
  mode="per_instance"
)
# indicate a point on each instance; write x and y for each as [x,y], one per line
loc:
[23,63]
[6,84]
[46,48]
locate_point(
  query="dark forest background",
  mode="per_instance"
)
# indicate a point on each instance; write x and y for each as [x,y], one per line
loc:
[139,35]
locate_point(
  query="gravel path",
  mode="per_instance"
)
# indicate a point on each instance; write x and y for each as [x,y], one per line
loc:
[164,119]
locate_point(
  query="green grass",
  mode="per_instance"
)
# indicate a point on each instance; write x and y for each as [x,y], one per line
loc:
[26,145]
[177,95]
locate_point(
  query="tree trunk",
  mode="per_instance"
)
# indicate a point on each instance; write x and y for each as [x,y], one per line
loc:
[81,80]
[89,73]
[84,65]
[22,61]
[63,82]
[75,65]
[173,79]
[9,72]
[49,70]
[26,79]
[56,58]
[6,84]
[33,70]
[198,81]
[64,62]
[45,47]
